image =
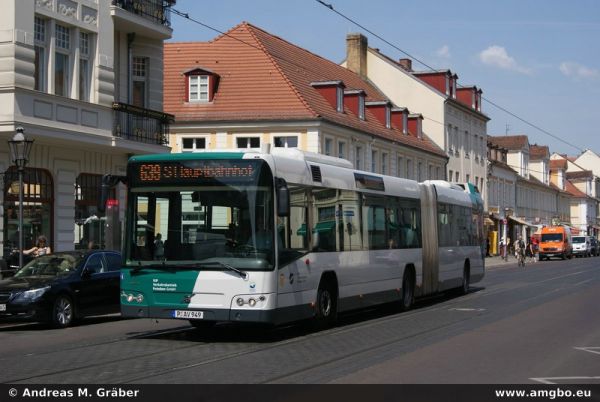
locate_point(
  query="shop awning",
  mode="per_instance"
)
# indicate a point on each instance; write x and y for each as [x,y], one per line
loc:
[324,226]
[522,222]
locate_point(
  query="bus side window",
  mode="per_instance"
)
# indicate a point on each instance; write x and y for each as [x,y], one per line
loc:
[292,231]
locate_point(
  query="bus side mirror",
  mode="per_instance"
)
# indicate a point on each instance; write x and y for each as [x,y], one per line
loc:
[283,197]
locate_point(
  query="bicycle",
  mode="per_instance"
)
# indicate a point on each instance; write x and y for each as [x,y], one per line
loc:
[521,258]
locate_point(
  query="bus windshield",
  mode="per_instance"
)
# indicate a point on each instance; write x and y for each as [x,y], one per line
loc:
[206,225]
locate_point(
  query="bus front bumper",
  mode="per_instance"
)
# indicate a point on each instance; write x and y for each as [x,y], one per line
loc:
[220,315]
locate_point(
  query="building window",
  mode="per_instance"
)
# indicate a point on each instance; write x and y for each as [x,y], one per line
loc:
[328,146]
[198,88]
[248,142]
[340,99]
[388,117]
[361,107]
[420,171]
[384,162]
[61,74]
[373,161]
[468,178]
[61,60]
[430,173]
[193,144]
[456,177]
[399,167]
[38,197]
[286,142]
[139,76]
[467,144]
[84,66]
[88,225]
[438,173]
[450,175]
[40,73]
[358,158]
[341,149]
[409,169]
[63,37]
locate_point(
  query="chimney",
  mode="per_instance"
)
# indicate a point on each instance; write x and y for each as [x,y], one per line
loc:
[356,53]
[406,64]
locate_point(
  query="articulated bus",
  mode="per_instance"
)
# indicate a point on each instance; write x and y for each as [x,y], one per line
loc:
[284,235]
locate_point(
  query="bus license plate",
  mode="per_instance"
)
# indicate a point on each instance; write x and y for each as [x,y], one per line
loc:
[2,307]
[188,315]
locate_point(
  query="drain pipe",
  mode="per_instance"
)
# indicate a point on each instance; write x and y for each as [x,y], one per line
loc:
[130,39]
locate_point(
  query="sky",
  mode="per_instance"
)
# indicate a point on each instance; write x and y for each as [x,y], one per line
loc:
[538,59]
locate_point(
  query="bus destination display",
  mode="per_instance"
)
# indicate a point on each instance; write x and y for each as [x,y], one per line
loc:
[188,172]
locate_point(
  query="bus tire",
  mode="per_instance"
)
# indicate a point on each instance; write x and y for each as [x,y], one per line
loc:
[326,306]
[408,289]
[466,279]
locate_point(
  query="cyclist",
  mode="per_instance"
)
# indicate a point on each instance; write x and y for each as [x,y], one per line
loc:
[520,251]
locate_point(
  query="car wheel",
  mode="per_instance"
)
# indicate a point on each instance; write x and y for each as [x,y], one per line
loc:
[63,311]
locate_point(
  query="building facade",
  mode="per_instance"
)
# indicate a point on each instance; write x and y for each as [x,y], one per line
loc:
[453,118]
[250,89]
[84,80]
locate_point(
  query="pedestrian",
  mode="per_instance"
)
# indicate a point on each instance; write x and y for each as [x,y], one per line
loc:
[41,248]
[501,248]
[159,248]
[487,247]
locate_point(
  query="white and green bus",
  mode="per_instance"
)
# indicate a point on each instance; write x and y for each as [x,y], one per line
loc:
[284,235]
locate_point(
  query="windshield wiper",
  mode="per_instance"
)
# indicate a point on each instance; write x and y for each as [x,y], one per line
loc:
[242,274]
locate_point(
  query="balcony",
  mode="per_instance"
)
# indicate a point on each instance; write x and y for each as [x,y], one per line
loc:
[142,125]
[150,18]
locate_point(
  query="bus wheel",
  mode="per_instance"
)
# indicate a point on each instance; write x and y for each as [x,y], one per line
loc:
[408,291]
[326,305]
[466,280]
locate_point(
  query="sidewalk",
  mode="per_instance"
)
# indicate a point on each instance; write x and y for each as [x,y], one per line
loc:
[497,261]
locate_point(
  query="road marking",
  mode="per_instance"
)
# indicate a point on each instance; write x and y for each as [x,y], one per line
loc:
[549,380]
[591,349]
[466,309]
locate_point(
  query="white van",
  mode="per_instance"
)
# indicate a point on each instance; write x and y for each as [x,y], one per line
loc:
[582,246]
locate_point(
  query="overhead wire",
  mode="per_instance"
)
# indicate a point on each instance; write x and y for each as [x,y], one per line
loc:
[505,110]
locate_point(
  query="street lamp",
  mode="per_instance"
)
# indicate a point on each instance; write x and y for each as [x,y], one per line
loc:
[20,147]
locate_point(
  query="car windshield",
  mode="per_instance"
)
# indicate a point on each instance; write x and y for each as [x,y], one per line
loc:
[552,237]
[50,265]
[579,239]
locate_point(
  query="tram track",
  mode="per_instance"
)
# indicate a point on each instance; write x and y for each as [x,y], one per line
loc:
[213,351]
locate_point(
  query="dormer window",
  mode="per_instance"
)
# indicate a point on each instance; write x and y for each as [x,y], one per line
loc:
[388,117]
[340,99]
[198,88]
[332,91]
[201,85]
[361,107]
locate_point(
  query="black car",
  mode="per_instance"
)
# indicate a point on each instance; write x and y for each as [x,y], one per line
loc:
[61,287]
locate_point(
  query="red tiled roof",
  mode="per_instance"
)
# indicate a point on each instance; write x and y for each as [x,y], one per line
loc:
[263,77]
[510,142]
[574,191]
[556,164]
[583,174]
[537,152]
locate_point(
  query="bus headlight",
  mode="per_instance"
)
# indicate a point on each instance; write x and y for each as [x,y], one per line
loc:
[132,297]
[252,302]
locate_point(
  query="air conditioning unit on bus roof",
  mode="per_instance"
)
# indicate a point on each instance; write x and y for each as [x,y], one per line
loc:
[307,156]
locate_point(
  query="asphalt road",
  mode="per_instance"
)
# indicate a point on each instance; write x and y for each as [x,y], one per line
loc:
[540,324]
